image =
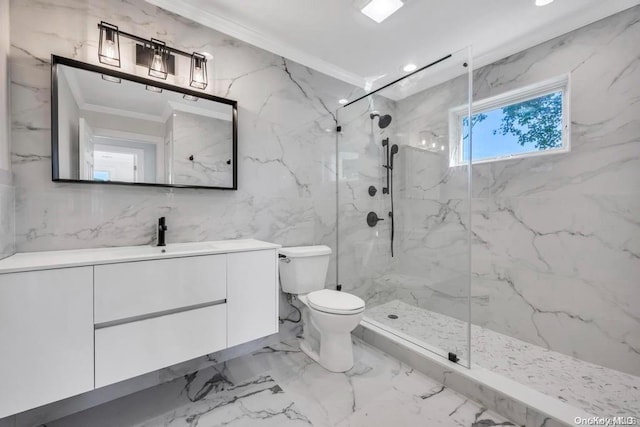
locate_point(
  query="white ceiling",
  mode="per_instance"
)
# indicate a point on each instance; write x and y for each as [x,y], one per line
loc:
[333,37]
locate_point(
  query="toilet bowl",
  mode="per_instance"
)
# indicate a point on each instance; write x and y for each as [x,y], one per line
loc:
[328,316]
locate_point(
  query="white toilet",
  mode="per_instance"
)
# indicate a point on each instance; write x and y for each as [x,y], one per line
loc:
[329,316]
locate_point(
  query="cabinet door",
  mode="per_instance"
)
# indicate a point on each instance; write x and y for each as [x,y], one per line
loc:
[46,337]
[252,296]
[133,289]
[131,349]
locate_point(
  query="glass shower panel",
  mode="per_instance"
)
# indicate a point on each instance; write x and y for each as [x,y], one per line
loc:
[403,209]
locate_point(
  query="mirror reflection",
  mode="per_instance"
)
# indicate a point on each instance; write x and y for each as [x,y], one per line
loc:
[114,130]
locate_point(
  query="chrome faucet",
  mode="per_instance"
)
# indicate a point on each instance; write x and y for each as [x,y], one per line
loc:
[162,227]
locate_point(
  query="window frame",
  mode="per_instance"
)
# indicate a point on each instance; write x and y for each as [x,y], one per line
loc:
[557,84]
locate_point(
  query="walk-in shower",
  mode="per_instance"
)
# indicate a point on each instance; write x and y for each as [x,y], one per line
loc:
[412,252]
[511,216]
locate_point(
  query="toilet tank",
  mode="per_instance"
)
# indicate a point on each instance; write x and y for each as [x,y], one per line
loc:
[303,269]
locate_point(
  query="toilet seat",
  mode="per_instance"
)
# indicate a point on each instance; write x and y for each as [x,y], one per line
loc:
[335,302]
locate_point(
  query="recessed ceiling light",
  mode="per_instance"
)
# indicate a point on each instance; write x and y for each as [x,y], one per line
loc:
[409,68]
[343,101]
[379,10]
[543,2]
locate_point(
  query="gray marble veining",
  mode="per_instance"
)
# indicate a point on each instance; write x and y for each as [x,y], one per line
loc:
[7,220]
[285,156]
[554,239]
[595,389]
[212,155]
[279,385]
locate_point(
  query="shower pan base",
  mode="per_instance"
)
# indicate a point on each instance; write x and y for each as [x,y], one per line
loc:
[519,380]
[587,386]
[519,403]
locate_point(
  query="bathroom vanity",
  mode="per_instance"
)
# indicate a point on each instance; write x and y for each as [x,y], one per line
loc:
[73,321]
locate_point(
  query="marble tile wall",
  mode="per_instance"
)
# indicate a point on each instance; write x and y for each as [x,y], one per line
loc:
[286,152]
[286,175]
[212,156]
[430,218]
[7,192]
[363,251]
[7,212]
[555,239]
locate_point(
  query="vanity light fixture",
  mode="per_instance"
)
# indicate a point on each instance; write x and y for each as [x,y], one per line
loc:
[158,62]
[153,89]
[109,45]
[154,54]
[379,10]
[198,71]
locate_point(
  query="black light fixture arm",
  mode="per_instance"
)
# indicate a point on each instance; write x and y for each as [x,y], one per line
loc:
[147,41]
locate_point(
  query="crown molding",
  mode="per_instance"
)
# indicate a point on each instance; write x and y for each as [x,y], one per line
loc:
[552,30]
[480,57]
[258,39]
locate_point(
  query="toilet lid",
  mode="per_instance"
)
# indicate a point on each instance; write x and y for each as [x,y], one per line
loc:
[336,302]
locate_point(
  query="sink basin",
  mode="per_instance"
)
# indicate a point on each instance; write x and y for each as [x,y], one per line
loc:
[185,247]
[171,248]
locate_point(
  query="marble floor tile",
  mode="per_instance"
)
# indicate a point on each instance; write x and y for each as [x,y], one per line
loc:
[256,402]
[281,386]
[598,390]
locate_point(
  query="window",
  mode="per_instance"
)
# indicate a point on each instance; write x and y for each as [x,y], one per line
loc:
[530,121]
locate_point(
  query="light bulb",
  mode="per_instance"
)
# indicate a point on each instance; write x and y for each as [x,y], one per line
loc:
[433,145]
[198,76]
[110,49]
[156,64]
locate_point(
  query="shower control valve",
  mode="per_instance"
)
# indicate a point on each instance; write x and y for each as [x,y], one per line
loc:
[372,219]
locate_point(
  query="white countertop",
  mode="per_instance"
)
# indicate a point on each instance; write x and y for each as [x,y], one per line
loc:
[28,261]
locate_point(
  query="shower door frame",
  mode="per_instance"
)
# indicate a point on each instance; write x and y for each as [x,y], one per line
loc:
[469,200]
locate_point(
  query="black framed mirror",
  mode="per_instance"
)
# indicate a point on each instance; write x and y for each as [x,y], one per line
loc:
[110,127]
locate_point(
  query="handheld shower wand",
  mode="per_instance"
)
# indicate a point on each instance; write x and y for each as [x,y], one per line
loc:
[394,151]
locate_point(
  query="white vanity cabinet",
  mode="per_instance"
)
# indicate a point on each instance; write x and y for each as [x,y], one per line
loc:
[252,288]
[73,321]
[152,314]
[131,289]
[46,337]
[131,349]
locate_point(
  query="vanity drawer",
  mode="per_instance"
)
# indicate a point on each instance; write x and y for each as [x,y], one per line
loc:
[131,349]
[132,289]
